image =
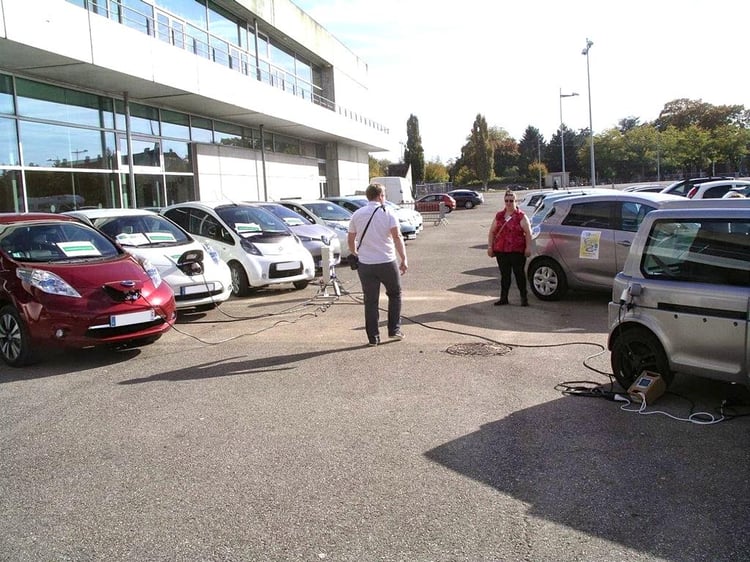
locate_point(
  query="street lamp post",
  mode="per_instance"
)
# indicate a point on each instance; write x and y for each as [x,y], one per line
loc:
[562,134]
[585,51]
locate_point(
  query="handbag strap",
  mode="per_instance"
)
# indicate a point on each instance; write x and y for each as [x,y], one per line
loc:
[368,225]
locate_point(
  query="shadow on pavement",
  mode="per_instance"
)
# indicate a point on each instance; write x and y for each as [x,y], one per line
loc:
[230,367]
[649,483]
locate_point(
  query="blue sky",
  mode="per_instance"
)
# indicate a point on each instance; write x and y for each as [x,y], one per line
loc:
[509,60]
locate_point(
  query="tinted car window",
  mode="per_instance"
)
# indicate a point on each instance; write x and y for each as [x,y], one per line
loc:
[142,230]
[55,242]
[717,192]
[597,214]
[632,214]
[246,220]
[709,251]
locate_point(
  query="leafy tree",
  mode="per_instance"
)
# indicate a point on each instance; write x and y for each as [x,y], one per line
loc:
[478,151]
[378,167]
[504,151]
[682,113]
[628,124]
[435,172]
[414,153]
[531,150]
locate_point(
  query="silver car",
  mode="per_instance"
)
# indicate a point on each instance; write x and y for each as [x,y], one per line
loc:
[680,304]
[584,240]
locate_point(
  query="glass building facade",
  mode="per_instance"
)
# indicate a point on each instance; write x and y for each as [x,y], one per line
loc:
[62,149]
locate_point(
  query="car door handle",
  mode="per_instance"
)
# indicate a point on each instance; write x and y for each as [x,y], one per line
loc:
[625,243]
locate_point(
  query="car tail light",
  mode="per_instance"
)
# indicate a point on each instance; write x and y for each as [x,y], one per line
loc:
[691,193]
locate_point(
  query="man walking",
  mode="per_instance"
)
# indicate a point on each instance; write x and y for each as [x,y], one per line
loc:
[375,239]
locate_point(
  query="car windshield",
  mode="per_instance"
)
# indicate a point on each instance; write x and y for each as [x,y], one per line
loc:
[329,211]
[52,242]
[287,215]
[250,221]
[142,230]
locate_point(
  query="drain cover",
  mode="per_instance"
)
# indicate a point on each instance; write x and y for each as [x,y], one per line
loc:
[478,349]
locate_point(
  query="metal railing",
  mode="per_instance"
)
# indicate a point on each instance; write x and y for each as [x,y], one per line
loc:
[178,33]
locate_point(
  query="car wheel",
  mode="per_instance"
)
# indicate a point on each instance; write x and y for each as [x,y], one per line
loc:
[635,351]
[15,342]
[299,285]
[240,284]
[547,279]
[469,205]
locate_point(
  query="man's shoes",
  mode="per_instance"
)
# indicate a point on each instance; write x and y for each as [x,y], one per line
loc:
[399,335]
[372,342]
[501,302]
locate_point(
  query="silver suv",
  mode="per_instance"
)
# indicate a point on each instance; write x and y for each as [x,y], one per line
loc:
[584,240]
[681,302]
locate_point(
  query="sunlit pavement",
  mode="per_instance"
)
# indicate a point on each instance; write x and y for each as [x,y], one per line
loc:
[268,430]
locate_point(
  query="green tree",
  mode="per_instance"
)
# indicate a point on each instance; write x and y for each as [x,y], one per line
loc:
[504,151]
[479,151]
[414,153]
[378,168]
[531,150]
[435,172]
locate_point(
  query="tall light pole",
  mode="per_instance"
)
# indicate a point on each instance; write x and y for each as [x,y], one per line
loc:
[562,134]
[585,51]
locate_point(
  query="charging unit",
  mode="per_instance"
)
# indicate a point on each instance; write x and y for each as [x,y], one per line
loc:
[648,384]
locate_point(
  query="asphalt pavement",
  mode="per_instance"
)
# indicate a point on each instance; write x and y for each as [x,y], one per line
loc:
[268,430]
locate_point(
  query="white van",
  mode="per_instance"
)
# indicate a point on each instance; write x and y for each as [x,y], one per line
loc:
[681,304]
[397,189]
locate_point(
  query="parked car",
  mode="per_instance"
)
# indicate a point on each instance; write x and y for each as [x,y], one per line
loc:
[680,303]
[467,198]
[545,203]
[715,189]
[528,202]
[315,237]
[431,203]
[199,278]
[326,213]
[584,240]
[65,284]
[259,247]
[406,217]
[683,187]
[650,187]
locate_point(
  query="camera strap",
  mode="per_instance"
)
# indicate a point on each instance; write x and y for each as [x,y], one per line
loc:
[368,226]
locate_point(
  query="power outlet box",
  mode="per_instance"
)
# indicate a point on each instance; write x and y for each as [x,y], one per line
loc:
[648,384]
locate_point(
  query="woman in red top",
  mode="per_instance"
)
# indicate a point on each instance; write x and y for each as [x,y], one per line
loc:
[509,242]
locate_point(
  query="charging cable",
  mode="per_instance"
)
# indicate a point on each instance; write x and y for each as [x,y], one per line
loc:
[698,418]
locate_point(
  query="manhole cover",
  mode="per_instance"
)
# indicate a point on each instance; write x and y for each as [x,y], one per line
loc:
[478,349]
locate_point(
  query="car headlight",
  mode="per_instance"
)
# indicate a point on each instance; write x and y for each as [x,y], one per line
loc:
[250,248]
[326,240]
[151,271]
[47,282]
[211,251]
[305,238]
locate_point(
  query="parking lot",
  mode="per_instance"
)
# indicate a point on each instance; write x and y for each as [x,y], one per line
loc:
[268,430]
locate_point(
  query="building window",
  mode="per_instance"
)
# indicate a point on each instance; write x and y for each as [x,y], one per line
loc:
[52,103]
[57,146]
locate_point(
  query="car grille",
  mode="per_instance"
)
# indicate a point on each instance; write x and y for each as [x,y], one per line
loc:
[107,332]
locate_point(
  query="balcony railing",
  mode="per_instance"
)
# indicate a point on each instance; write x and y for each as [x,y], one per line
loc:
[178,33]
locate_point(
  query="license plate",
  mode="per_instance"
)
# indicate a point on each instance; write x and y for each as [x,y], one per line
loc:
[193,289]
[131,318]
[286,266]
